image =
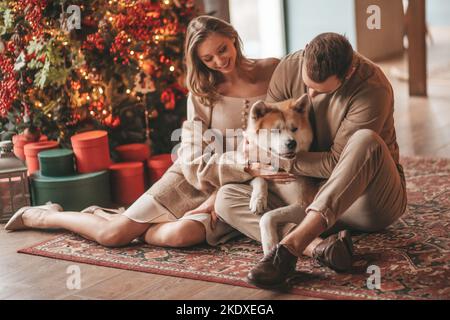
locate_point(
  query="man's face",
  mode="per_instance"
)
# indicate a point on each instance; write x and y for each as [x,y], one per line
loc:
[330,85]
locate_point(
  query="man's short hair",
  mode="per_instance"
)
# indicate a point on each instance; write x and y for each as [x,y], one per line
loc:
[327,55]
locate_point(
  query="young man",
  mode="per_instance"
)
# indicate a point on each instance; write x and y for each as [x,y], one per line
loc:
[355,151]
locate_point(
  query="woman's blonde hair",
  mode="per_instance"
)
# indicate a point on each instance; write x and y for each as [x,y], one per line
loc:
[202,81]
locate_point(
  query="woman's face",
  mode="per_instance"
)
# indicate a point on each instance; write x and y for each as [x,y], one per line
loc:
[218,53]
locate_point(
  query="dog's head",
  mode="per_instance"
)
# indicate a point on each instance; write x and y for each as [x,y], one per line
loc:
[282,128]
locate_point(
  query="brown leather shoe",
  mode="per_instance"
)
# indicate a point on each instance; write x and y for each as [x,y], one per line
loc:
[274,269]
[335,252]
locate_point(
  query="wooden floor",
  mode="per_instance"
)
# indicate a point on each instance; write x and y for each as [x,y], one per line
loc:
[423,128]
[423,124]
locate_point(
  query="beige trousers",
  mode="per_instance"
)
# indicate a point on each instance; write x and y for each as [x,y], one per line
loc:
[366,192]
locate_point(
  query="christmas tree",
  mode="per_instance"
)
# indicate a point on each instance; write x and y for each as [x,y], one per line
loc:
[115,65]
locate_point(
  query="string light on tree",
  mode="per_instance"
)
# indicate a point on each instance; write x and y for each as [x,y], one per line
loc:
[124,48]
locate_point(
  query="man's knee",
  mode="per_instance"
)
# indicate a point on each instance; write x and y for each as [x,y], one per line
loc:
[369,222]
[367,139]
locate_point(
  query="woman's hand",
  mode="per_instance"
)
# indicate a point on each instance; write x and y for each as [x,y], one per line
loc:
[206,207]
[269,173]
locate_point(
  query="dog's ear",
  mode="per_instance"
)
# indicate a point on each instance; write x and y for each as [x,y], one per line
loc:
[259,110]
[302,104]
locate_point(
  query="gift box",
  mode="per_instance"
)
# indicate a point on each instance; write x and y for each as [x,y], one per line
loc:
[57,162]
[19,142]
[73,193]
[135,152]
[158,165]
[127,182]
[32,150]
[91,151]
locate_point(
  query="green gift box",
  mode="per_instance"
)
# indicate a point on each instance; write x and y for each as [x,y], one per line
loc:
[57,162]
[73,193]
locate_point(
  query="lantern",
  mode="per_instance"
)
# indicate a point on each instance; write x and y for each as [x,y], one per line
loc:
[14,191]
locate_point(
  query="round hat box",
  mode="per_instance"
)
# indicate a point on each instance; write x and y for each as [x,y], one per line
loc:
[91,151]
[57,162]
[158,165]
[127,181]
[20,141]
[134,152]
[32,150]
[73,193]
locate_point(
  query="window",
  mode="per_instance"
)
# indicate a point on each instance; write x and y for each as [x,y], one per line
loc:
[260,24]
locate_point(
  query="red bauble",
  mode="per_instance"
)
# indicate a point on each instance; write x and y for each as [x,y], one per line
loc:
[112,122]
[148,67]
[168,98]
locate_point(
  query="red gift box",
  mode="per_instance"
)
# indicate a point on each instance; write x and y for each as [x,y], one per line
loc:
[31,151]
[127,179]
[19,142]
[135,152]
[158,165]
[91,151]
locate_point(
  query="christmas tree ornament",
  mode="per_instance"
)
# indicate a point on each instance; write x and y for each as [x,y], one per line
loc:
[148,67]
[144,84]
[168,98]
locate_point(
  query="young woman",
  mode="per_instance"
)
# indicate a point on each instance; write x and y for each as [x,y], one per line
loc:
[223,84]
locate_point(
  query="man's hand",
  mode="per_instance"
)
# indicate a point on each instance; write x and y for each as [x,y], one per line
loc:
[206,207]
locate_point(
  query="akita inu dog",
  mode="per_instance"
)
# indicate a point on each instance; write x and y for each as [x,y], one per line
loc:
[282,129]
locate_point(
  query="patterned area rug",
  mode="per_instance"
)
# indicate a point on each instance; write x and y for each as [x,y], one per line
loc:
[413,255]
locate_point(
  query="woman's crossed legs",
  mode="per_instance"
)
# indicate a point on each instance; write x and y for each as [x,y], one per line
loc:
[120,230]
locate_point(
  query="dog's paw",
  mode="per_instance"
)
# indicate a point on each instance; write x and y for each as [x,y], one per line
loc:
[258,204]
